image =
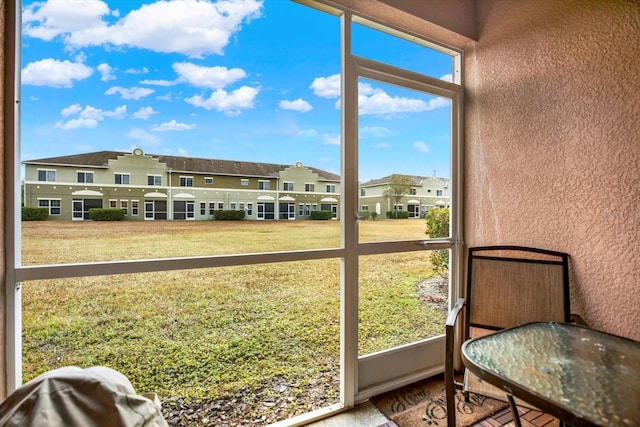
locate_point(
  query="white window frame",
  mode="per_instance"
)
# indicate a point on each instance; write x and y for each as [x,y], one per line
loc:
[157,180]
[208,180]
[287,186]
[48,173]
[264,184]
[309,187]
[244,182]
[122,176]
[185,181]
[135,207]
[331,188]
[84,174]
[49,207]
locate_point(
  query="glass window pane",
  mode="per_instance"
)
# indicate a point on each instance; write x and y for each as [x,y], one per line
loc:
[219,342]
[401,53]
[401,300]
[404,160]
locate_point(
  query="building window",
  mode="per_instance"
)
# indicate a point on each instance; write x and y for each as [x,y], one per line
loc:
[52,204]
[309,187]
[307,211]
[244,182]
[301,209]
[264,185]
[212,208]
[154,180]
[134,207]
[364,208]
[412,191]
[122,178]
[249,209]
[362,192]
[220,206]
[85,177]
[314,207]
[287,186]
[438,192]
[124,205]
[203,208]
[241,206]
[113,204]
[186,181]
[397,208]
[233,206]
[208,180]
[46,175]
[331,188]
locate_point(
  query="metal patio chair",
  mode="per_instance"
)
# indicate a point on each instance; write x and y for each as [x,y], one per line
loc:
[506,286]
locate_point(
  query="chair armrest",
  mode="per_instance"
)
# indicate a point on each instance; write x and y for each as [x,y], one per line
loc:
[455,312]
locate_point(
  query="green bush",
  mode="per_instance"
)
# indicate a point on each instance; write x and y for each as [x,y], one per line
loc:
[106,214]
[438,226]
[374,215]
[363,214]
[34,214]
[397,214]
[321,215]
[229,215]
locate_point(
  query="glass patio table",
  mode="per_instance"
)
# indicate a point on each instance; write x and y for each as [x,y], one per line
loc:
[582,376]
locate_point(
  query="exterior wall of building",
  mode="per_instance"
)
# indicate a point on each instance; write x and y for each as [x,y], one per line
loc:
[173,194]
[552,152]
[428,193]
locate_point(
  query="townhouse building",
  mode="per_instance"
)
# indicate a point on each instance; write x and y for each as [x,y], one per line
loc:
[425,193]
[160,187]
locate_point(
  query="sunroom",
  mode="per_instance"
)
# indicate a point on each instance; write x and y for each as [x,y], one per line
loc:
[542,109]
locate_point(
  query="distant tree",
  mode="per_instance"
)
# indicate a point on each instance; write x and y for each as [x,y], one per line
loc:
[437,221]
[398,187]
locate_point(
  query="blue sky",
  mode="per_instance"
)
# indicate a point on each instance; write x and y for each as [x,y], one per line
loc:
[237,80]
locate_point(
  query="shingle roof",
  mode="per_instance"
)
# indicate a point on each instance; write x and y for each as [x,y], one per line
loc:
[101,159]
[417,180]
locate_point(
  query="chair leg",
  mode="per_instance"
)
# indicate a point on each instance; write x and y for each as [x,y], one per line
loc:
[514,411]
[466,396]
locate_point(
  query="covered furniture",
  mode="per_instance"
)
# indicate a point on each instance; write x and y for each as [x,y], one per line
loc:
[507,286]
[71,396]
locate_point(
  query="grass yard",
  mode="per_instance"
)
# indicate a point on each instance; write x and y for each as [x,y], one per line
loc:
[259,332]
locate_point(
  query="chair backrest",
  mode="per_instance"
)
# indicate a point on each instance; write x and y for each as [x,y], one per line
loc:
[512,285]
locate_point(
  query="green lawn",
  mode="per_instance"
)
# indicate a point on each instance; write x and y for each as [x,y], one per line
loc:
[205,334]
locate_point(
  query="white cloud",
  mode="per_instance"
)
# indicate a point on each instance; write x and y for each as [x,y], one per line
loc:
[208,77]
[71,110]
[46,20]
[326,87]
[51,72]
[447,78]
[297,105]
[158,82]
[383,145]
[135,93]
[144,113]
[88,117]
[143,138]
[421,146]
[374,132]
[331,139]
[78,124]
[231,103]
[106,71]
[172,125]
[144,70]
[191,27]
[381,103]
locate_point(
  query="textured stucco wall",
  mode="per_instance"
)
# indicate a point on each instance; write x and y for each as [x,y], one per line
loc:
[553,143]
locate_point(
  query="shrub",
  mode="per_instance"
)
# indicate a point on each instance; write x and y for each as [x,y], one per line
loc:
[438,226]
[397,214]
[228,215]
[34,214]
[363,214]
[374,215]
[106,214]
[321,215]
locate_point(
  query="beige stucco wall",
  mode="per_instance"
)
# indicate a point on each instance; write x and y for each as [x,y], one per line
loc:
[553,143]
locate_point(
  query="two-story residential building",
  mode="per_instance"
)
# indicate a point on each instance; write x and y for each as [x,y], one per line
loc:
[425,193]
[152,187]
